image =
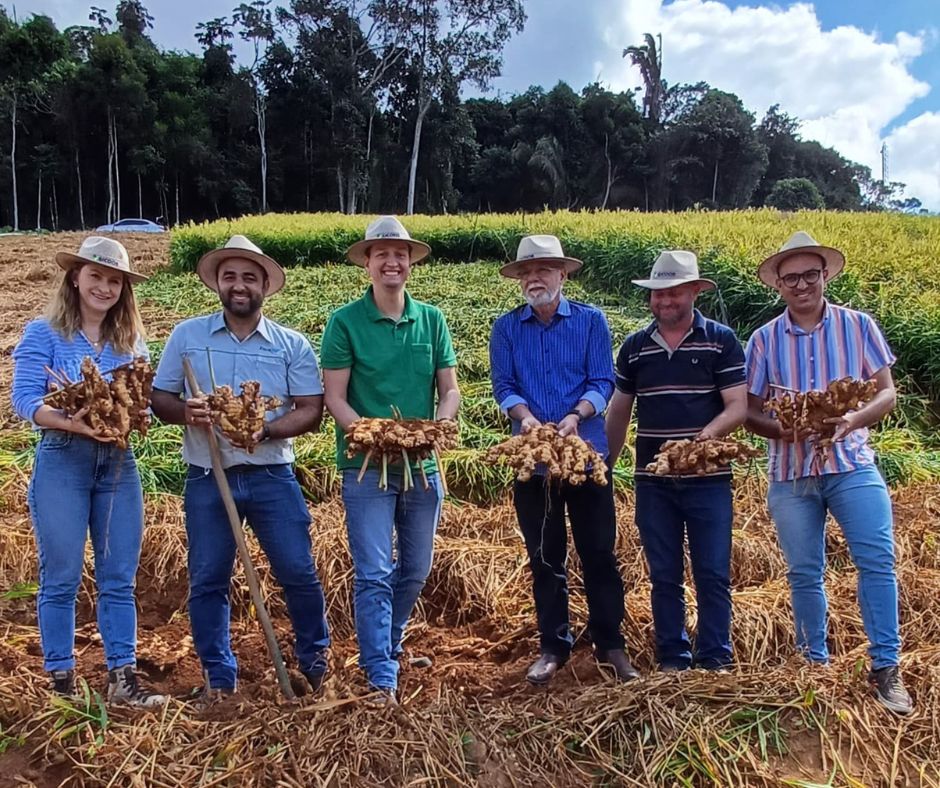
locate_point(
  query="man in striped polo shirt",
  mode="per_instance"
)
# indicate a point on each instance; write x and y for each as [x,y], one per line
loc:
[551,362]
[686,375]
[811,344]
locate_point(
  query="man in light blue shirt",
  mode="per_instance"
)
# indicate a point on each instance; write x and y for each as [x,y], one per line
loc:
[245,345]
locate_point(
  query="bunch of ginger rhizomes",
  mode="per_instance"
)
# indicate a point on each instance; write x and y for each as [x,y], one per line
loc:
[565,458]
[395,440]
[801,412]
[115,408]
[688,457]
[241,417]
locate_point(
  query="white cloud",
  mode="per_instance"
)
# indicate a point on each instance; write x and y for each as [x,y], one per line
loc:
[845,84]
[914,150]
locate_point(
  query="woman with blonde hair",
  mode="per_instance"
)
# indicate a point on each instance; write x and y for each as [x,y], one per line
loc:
[81,481]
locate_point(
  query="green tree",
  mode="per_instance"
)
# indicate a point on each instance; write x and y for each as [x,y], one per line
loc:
[453,41]
[794,194]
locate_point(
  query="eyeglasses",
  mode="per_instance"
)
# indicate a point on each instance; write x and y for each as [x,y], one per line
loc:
[811,277]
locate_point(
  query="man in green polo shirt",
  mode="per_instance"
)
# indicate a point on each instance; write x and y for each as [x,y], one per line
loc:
[381,351]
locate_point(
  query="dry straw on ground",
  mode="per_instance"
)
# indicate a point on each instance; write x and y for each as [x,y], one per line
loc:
[471,719]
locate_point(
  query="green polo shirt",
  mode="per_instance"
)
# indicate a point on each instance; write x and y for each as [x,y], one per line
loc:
[390,362]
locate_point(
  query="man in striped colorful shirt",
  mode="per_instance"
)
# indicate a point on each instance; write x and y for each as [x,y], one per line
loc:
[551,362]
[686,375]
[811,344]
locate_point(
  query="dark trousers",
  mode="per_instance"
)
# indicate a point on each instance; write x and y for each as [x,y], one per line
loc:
[665,510]
[541,513]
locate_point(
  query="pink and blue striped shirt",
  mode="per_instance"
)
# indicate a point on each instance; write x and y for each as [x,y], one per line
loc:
[845,343]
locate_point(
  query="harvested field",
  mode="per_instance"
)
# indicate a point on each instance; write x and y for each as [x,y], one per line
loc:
[470,719]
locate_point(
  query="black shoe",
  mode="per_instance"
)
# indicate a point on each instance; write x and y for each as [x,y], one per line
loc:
[543,669]
[617,659]
[62,682]
[890,690]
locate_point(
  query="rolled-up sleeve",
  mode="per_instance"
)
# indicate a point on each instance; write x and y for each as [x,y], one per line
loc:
[30,379]
[505,387]
[600,364]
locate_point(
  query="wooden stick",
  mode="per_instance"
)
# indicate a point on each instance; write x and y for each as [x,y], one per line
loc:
[783,388]
[383,479]
[254,587]
[365,465]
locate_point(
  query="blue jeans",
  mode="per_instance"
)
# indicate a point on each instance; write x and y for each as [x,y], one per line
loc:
[859,502]
[391,538]
[269,498]
[665,511]
[79,486]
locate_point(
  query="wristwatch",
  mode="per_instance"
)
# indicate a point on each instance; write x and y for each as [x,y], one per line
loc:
[576,412]
[265,433]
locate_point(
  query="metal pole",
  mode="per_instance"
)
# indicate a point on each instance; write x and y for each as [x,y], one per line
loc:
[254,587]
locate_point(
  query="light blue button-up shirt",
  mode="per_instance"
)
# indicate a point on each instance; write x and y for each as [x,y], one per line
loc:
[281,359]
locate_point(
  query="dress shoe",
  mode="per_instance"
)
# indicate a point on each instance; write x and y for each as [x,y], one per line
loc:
[617,660]
[543,669]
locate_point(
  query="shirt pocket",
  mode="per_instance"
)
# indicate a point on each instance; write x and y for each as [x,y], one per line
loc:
[422,362]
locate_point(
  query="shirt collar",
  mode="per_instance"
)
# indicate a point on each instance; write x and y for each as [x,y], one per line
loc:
[217,323]
[410,312]
[793,328]
[564,310]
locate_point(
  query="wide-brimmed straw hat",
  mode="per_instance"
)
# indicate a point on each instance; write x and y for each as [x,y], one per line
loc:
[542,249]
[386,228]
[239,246]
[801,242]
[672,268]
[101,251]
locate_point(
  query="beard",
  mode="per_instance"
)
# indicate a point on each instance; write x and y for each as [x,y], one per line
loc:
[251,307]
[542,298]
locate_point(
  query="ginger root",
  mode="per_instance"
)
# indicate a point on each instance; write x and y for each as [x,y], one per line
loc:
[115,408]
[567,458]
[800,412]
[240,417]
[688,457]
[400,440]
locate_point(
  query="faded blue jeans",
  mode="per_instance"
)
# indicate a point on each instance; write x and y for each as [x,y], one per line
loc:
[859,502]
[80,486]
[391,539]
[269,497]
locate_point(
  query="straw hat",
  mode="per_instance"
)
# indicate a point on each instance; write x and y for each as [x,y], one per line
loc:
[542,249]
[672,268]
[386,228]
[239,246]
[797,243]
[101,251]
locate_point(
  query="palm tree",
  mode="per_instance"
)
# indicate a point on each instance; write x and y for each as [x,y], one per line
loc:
[649,59]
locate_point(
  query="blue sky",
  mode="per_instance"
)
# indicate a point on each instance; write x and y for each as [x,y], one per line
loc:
[857,72]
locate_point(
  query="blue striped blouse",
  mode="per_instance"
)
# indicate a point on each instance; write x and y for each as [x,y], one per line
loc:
[550,368]
[41,346]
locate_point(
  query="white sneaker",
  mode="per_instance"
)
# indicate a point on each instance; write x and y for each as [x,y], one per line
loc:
[124,687]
